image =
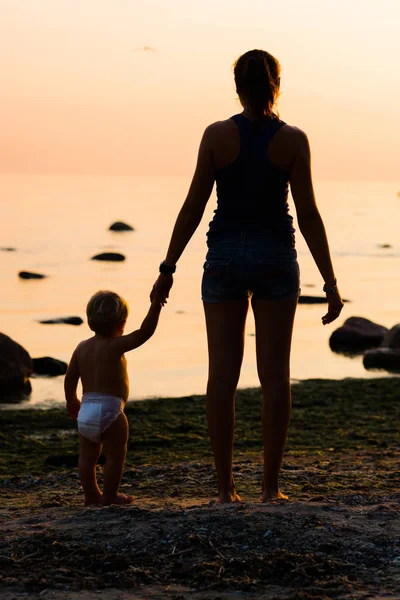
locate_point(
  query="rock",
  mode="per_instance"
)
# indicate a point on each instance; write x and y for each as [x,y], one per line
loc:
[392,338]
[387,359]
[63,320]
[69,460]
[8,249]
[387,356]
[384,246]
[15,369]
[315,300]
[109,256]
[120,226]
[312,300]
[357,335]
[28,275]
[49,366]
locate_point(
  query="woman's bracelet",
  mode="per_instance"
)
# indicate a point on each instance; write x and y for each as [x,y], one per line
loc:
[167,269]
[330,289]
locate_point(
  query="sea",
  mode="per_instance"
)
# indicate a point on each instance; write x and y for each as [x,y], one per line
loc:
[55,224]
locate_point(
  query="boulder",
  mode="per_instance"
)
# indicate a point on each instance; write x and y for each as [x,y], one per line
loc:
[63,320]
[49,366]
[392,338]
[28,275]
[69,460]
[8,249]
[357,335]
[387,359]
[120,226]
[15,369]
[384,246]
[312,299]
[387,356]
[315,300]
[109,256]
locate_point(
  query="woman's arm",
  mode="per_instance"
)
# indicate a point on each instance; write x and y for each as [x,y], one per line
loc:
[310,221]
[191,212]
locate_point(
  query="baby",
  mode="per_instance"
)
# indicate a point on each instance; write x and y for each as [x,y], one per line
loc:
[100,363]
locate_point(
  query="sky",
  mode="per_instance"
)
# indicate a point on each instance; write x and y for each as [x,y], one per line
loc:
[126,87]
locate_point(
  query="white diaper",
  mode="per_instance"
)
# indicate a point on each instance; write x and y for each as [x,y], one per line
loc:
[97,413]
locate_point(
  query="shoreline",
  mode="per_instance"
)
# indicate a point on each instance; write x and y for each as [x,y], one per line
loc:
[338,536]
[55,404]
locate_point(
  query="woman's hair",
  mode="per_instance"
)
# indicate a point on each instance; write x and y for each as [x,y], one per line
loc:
[257,78]
[105,312]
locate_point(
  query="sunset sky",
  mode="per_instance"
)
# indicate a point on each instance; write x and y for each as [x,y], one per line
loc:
[128,86]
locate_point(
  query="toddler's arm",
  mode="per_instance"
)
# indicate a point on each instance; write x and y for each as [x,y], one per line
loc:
[140,336]
[70,385]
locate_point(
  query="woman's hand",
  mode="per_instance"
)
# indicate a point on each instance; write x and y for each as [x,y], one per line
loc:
[161,288]
[335,305]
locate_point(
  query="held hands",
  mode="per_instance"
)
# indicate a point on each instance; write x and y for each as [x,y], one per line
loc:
[335,305]
[73,408]
[161,288]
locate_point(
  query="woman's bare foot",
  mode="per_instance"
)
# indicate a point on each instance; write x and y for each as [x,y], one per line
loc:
[273,495]
[97,499]
[119,499]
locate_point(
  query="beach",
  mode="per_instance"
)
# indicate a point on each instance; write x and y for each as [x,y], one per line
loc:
[337,537]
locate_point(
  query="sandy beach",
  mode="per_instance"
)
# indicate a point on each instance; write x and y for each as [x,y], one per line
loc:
[337,537]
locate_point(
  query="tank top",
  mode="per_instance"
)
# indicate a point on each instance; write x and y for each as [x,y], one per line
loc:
[252,192]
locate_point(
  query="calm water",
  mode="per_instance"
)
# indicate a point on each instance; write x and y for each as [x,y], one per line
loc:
[57,223]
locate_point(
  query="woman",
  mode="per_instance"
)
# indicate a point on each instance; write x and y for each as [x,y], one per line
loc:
[252,157]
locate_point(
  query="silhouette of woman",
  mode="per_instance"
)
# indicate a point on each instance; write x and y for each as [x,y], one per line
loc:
[253,157]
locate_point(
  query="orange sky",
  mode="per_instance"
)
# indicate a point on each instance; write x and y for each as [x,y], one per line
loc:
[80,95]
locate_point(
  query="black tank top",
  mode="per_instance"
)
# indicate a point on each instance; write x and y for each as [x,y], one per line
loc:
[252,192]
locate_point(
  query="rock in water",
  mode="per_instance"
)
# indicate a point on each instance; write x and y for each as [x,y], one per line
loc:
[109,256]
[315,300]
[387,356]
[63,320]
[69,460]
[357,335]
[312,300]
[49,366]
[15,369]
[28,275]
[120,226]
[387,359]
[392,338]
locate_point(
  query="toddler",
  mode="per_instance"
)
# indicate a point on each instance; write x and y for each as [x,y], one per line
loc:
[101,365]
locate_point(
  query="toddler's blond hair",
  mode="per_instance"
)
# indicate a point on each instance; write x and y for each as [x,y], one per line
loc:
[105,312]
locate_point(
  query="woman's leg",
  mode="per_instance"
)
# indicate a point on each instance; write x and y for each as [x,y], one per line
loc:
[274,326]
[225,333]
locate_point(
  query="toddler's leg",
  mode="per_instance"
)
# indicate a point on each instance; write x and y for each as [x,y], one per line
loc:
[115,440]
[89,453]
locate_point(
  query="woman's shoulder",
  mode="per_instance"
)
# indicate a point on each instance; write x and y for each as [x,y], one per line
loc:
[291,138]
[220,127]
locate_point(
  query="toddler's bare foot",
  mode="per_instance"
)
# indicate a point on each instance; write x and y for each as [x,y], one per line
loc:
[118,499]
[228,498]
[96,499]
[273,495]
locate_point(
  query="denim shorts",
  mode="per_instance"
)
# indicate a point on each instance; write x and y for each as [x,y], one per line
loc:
[250,265]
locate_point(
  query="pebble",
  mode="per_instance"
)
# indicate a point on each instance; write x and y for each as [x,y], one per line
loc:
[268,533]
